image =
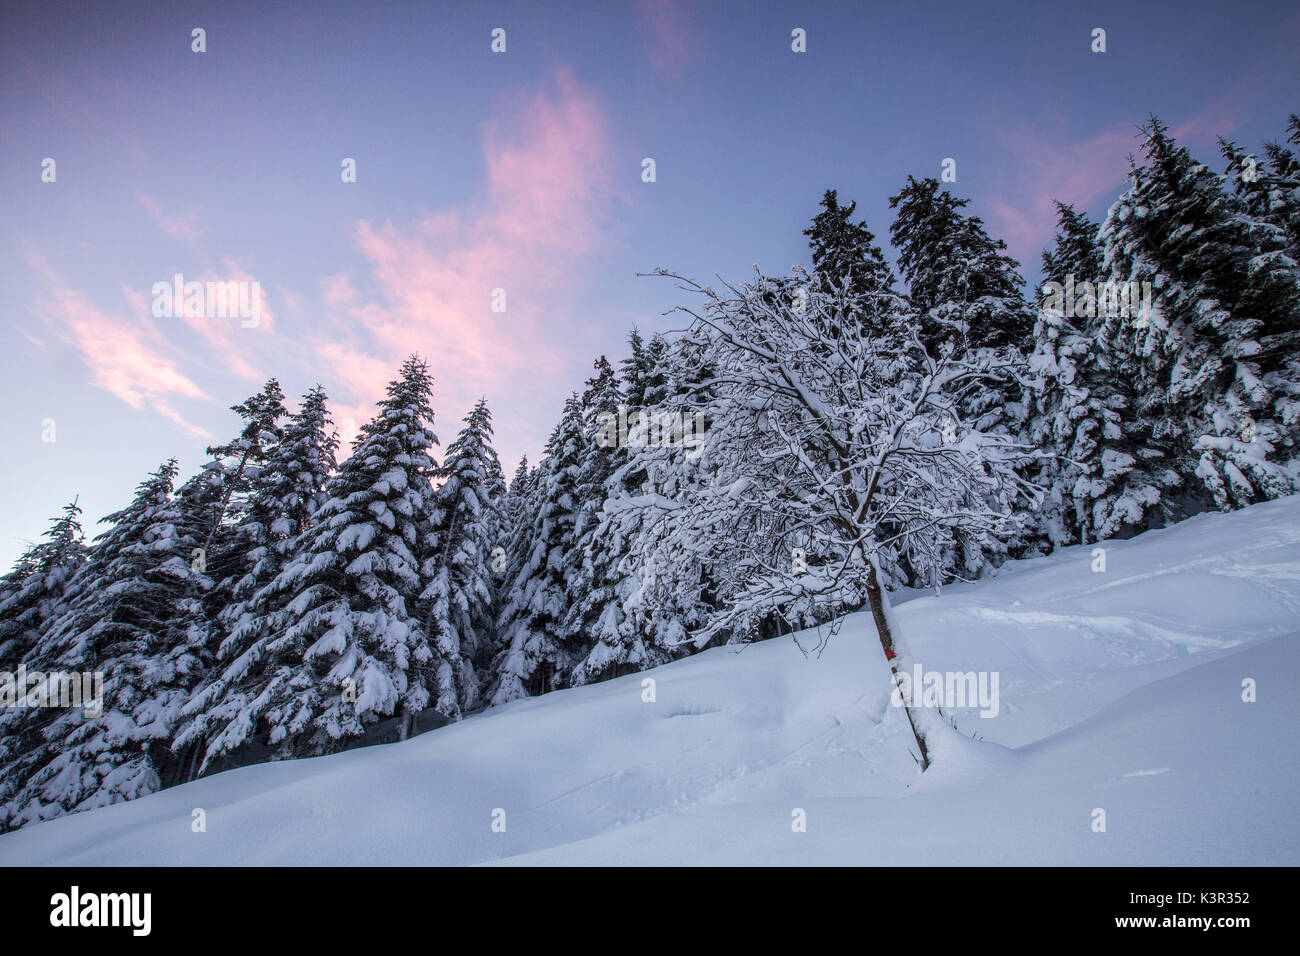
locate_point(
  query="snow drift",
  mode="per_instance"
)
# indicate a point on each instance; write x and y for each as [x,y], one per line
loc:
[1120,691]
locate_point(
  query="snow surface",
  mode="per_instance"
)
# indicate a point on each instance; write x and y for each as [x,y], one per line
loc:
[1119,690]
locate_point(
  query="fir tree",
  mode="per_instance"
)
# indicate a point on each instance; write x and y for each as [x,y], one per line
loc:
[649,600]
[286,495]
[1270,188]
[595,614]
[845,251]
[217,496]
[967,294]
[517,497]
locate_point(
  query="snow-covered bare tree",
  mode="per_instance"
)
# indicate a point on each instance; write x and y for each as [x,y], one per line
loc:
[818,442]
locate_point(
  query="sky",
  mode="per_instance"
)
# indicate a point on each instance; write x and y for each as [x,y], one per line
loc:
[520,171]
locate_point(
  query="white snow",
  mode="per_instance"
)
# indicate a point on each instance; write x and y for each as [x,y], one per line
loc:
[1119,690]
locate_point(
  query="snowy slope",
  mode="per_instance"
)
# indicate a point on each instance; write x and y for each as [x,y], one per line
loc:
[1119,690]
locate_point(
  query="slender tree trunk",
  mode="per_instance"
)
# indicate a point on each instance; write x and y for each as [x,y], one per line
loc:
[193,770]
[880,613]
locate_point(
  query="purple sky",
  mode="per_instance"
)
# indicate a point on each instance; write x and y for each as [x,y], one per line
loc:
[519,171]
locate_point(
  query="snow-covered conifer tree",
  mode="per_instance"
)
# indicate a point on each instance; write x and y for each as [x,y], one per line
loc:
[533,655]
[966,291]
[845,251]
[335,642]
[33,593]
[131,617]
[595,612]
[1106,474]
[1269,186]
[960,280]
[459,596]
[1217,350]
[284,498]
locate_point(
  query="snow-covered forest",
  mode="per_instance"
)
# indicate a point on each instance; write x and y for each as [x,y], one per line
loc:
[800,447]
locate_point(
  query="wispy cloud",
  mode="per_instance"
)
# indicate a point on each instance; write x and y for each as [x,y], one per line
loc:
[426,286]
[429,286]
[184,227]
[121,355]
[142,360]
[226,342]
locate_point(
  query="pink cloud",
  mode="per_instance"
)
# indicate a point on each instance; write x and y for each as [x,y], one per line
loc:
[1051,164]
[119,355]
[357,374]
[430,285]
[339,294]
[224,339]
[132,355]
[1220,118]
[424,286]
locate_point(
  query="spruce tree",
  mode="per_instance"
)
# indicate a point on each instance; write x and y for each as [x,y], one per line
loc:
[335,642]
[845,251]
[960,280]
[131,617]
[33,593]
[660,597]
[1105,473]
[533,655]
[966,294]
[285,498]
[594,615]
[1217,353]
[459,596]
[1270,187]
[517,496]
[218,494]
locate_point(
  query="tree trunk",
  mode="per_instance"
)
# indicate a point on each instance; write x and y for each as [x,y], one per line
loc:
[192,772]
[880,613]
